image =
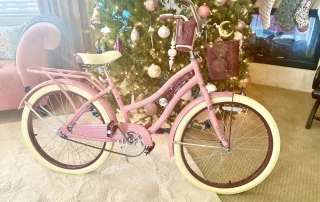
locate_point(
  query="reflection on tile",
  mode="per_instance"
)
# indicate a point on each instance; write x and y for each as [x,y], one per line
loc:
[258,73]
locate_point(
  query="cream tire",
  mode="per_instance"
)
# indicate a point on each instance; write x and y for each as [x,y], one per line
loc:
[240,99]
[24,124]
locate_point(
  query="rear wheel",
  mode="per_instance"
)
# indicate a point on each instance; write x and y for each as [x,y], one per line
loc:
[67,155]
[254,146]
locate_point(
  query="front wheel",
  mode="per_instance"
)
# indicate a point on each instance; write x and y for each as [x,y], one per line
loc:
[254,145]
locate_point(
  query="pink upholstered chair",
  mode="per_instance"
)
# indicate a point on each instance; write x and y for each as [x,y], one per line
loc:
[32,51]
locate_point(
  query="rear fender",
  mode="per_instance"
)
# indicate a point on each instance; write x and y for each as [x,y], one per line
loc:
[186,110]
[77,84]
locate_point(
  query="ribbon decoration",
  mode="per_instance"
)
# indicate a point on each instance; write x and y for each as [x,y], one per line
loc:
[117,17]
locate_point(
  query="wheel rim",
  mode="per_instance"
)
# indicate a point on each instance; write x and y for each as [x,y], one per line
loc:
[216,167]
[56,150]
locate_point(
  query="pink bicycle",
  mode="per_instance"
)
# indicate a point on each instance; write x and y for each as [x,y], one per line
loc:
[221,141]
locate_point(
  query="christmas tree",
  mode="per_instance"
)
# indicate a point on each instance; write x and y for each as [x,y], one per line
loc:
[134,28]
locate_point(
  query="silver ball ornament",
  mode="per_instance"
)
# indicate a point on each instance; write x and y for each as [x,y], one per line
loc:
[240,26]
[135,35]
[151,5]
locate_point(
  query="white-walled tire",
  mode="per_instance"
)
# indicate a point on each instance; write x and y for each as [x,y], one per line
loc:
[27,117]
[196,168]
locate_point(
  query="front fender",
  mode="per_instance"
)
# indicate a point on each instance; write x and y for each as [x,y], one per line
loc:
[78,84]
[186,110]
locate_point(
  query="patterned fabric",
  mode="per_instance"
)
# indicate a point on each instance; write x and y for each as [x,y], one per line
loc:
[9,39]
[301,15]
[284,14]
[264,12]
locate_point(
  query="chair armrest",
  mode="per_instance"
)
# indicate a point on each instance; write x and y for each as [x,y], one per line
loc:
[316,81]
[32,50]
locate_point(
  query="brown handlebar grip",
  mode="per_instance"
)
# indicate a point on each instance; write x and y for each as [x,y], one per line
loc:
[166,16]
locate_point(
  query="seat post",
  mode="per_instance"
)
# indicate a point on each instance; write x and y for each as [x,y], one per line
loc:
[106,72]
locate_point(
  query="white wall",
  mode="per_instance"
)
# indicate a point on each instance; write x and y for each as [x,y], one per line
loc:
[283,77]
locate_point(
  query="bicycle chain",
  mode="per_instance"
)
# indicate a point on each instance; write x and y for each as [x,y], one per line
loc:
[106,149]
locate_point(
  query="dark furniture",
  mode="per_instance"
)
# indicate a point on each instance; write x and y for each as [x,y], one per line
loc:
[315,95]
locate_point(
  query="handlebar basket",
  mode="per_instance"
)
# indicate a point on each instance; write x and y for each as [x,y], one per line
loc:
[222,59]
[185,35]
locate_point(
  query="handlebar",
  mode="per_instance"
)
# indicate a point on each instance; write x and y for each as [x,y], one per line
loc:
[166,16]
[190,4]
[171,16]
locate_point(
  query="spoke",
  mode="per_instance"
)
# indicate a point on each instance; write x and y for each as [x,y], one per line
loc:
[236,140]
[249,149]
[218,165]
[249,139]
[252,123]
[189,135]
[198,145]
[51,106]
[60,103]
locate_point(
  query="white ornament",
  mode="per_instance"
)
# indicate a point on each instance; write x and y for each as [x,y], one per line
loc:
[151,31]
[164,32]
[239,36]
[211,88]
[135,35]
[187,95]
[154,71]
[219,2]
[95,19]
[172,52]
[171,5]
[105,31]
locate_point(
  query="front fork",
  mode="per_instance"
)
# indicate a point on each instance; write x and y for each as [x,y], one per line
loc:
[212,116]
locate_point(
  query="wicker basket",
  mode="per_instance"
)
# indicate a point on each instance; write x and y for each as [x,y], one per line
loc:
[222,59]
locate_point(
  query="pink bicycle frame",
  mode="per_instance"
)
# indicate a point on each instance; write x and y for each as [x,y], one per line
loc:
[99,133]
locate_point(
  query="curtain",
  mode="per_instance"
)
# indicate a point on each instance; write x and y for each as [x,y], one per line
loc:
[74,15]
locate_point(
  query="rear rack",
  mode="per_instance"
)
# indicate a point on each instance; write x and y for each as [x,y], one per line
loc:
[67,74]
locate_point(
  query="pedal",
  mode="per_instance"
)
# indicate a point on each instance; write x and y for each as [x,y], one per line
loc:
[149,149]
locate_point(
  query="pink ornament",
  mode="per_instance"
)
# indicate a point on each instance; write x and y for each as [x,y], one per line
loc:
[204,11]
[240,26]
[151,109]
[151,5]
[118,45]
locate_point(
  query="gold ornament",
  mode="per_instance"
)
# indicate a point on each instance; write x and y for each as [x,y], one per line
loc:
[222,29]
